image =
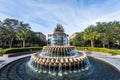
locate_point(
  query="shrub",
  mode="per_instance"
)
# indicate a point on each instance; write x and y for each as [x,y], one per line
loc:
[2,52]
[114,52]
[16,50]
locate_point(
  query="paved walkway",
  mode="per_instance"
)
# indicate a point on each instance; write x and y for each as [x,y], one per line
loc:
[112,59]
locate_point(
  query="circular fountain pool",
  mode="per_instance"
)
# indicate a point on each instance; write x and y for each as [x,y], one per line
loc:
[19,70]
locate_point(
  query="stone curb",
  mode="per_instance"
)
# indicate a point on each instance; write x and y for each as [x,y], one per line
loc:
[9,60]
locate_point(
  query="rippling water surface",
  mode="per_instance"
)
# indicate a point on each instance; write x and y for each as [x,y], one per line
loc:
[18,70]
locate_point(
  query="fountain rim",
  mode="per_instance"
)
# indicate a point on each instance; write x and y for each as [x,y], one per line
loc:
[63,61]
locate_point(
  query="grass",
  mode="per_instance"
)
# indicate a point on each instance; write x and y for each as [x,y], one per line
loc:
[105,50]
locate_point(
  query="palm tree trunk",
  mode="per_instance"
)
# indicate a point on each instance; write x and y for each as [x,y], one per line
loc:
[92,43]
[118,42]
[108,45]
[10,42]
[23,43]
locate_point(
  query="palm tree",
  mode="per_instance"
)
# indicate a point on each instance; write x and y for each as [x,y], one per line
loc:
[59,28]
[91,34]
[23,33]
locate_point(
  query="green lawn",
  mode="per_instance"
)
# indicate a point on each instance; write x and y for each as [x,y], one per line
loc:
[105,50]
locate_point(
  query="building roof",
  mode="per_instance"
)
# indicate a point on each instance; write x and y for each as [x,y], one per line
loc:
[73,35]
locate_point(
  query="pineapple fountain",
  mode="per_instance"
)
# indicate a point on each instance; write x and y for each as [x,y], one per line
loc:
[58,57]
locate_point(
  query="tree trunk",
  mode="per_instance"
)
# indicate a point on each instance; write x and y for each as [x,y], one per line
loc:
[103,45]
[4,44]
[118,42]
[92,43]
[23,43]
[108,45]
[10,42]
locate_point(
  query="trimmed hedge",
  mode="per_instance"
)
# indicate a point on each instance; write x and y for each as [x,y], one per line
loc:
[2,52]
[16,50]
[105,50]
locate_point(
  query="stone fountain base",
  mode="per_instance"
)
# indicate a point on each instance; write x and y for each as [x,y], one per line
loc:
[47,62]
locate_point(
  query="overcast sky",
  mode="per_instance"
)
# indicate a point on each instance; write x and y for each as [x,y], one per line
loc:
[74,15]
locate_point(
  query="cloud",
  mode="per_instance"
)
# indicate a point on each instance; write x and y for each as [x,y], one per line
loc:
[74,15]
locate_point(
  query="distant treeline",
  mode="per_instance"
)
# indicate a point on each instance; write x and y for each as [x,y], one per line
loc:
[15,33]
[103,34]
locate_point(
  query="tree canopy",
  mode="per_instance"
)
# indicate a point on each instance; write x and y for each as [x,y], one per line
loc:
[13,32]
[59,28]
[106,34]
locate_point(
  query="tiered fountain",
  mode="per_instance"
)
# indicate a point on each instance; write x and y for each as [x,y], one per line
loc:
[58,57]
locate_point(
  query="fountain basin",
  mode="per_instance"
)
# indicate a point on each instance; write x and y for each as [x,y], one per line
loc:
[19,70]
